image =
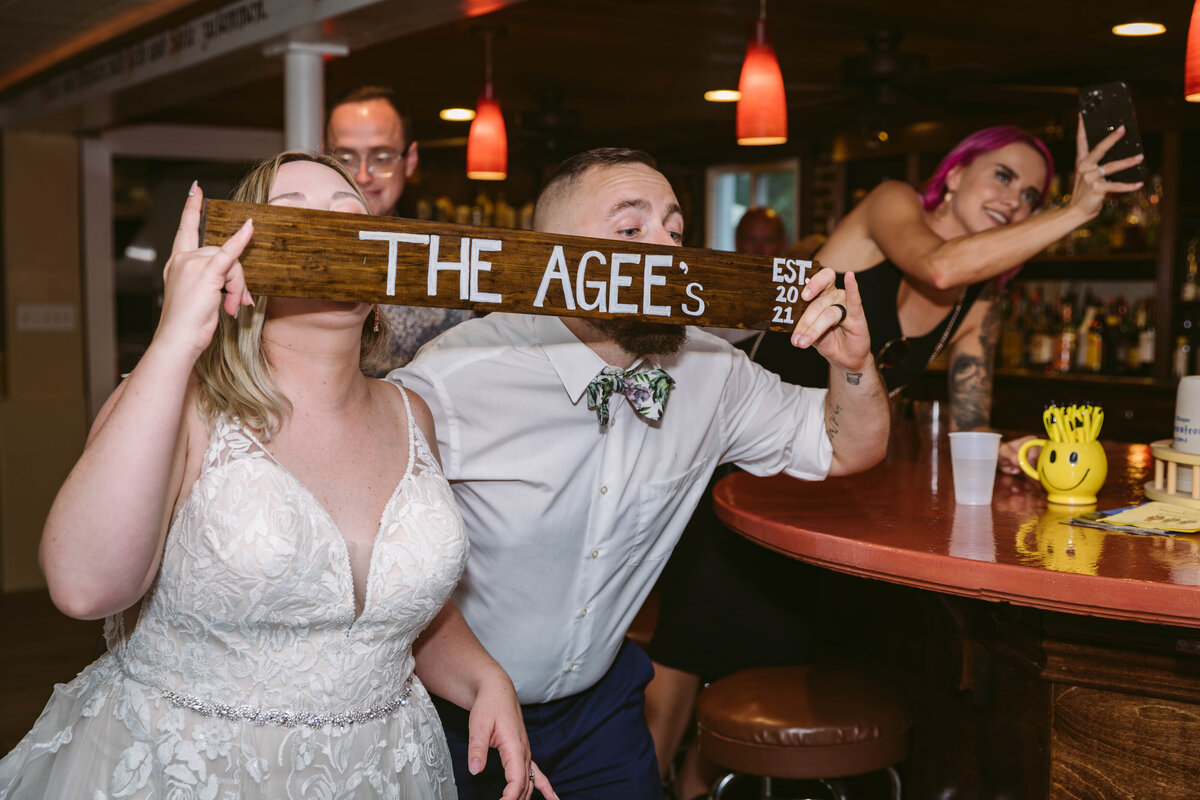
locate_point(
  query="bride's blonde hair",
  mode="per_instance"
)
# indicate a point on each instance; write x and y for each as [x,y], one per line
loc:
[234,372]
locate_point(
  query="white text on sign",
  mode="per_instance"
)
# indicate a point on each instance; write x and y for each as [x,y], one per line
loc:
[595,285]
[788,275]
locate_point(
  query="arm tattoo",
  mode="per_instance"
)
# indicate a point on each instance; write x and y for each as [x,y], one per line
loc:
[854,378]
[968,387]
[831,421]
[971,374]
[989,330]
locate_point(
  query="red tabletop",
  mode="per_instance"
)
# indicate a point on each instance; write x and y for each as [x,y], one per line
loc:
[899,523]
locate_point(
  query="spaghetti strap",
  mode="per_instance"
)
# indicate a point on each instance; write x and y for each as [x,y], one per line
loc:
[412,426]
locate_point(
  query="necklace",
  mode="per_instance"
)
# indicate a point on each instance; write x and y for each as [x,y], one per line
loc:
[937,350]
[958,304]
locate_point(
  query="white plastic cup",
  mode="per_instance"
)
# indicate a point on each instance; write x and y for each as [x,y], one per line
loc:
[973,457]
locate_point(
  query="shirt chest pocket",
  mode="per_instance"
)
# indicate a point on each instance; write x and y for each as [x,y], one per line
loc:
[659,505]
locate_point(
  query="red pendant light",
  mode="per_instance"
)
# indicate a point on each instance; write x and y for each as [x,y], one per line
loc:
[762,109]
[487,141]
[1191,75]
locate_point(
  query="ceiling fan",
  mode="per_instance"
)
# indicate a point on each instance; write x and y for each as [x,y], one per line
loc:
[549,124]
[885,85]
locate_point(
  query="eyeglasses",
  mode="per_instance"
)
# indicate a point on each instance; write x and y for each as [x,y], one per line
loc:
[893,353]
[382,162]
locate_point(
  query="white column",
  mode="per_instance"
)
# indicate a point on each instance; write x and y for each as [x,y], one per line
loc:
[304,91]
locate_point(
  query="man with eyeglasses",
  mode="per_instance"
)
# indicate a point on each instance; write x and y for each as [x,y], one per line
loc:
[369,132]
[370,135]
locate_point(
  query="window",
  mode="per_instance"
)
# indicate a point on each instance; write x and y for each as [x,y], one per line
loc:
[733,189]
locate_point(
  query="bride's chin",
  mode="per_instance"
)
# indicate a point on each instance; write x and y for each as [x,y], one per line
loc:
[323,312]
[293,306]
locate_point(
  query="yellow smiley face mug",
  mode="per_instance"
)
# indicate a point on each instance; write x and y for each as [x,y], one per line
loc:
[1072,465]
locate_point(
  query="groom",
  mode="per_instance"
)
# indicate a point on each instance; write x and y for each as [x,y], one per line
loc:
[573,499]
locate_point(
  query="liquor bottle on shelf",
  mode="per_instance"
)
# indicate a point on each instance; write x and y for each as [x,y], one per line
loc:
[525,216]
[505,215]
[1066,338]
[1092,341]
[1089,347]
[1190,290]
[1136,218]
[1053,200]
[483,210]
[1186,324]
[1104,225]
[1012,336]
[1133,350]
[1181,358]
[1041,337]
[1153,213]
[1145,334]
[1122,232]
[1116,337]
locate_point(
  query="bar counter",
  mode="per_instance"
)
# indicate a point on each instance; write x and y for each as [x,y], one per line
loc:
[899,523]
[1044,660]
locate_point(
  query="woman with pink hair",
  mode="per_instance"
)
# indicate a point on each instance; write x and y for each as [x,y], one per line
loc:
[928,263]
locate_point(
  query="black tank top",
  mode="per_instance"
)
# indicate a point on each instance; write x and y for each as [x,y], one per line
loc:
[878,286]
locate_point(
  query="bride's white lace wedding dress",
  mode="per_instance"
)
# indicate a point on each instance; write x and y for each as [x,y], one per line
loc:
[247,674]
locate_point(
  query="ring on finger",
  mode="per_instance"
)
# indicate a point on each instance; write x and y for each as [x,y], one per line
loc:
[531,774]
[1100,169]
[841,308]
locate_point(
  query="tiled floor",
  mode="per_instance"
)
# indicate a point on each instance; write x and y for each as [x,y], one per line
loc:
[39,647]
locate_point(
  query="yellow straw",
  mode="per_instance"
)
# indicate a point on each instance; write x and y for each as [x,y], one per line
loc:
[1052,417]
[1048,419]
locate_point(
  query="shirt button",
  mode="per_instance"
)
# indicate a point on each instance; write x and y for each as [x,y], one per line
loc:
[595,554]
[603,490]
[570,668]
[583,613]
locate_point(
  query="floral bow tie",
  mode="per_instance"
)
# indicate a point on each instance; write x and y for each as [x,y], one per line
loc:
[646,391]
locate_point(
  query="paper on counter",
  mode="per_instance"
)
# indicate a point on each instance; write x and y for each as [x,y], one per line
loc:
[1164,516]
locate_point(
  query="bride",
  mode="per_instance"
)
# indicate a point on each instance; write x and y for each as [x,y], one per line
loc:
[285,526]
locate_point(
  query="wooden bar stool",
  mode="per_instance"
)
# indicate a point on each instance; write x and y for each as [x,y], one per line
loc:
[820,721]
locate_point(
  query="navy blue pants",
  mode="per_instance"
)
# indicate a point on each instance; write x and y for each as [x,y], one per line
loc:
[592,746]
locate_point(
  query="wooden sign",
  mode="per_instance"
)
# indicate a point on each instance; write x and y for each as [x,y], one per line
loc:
[304,253]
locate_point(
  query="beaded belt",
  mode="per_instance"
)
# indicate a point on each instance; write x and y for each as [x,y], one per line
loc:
[288,719]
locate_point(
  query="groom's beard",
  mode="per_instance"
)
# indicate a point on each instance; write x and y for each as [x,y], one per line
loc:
[642,338]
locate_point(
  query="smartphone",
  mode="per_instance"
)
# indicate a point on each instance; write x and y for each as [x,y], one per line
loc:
[1105,107]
